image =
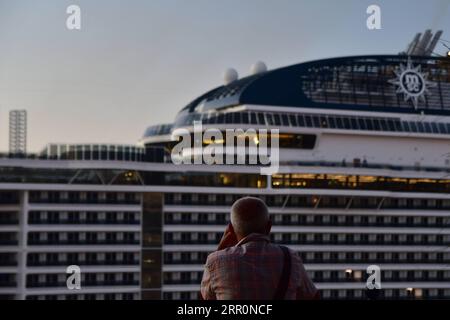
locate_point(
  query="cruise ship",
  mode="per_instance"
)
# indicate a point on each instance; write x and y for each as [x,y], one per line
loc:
[363,179]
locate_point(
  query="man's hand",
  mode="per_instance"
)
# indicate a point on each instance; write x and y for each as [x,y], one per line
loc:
[229,238]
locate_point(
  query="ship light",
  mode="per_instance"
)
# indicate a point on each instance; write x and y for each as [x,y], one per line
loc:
[418,293]
[129,175]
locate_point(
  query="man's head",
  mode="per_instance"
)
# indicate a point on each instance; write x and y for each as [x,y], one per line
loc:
[250,215]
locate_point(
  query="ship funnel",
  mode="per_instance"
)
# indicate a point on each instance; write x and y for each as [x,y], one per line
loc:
[424,45]
[433,43]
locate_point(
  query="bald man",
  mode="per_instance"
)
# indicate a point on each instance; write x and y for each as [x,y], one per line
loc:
[247,266]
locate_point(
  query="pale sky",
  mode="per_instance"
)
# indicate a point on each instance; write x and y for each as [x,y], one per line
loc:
[135,63]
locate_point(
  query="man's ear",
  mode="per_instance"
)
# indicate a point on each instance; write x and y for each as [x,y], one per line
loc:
[268,226]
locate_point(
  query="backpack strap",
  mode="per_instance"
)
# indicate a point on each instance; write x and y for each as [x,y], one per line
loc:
[283,284]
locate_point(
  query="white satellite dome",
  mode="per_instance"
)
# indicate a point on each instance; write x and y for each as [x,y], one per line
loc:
[258,67]
[230,75]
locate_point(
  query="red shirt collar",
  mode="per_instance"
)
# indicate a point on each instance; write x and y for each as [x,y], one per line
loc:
[253,237]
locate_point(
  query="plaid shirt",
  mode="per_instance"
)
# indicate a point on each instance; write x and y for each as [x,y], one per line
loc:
[251,270]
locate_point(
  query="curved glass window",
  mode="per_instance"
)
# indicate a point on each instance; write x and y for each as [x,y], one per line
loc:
[309,121]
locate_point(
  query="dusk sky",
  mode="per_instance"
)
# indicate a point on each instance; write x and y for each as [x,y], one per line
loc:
[136,63]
